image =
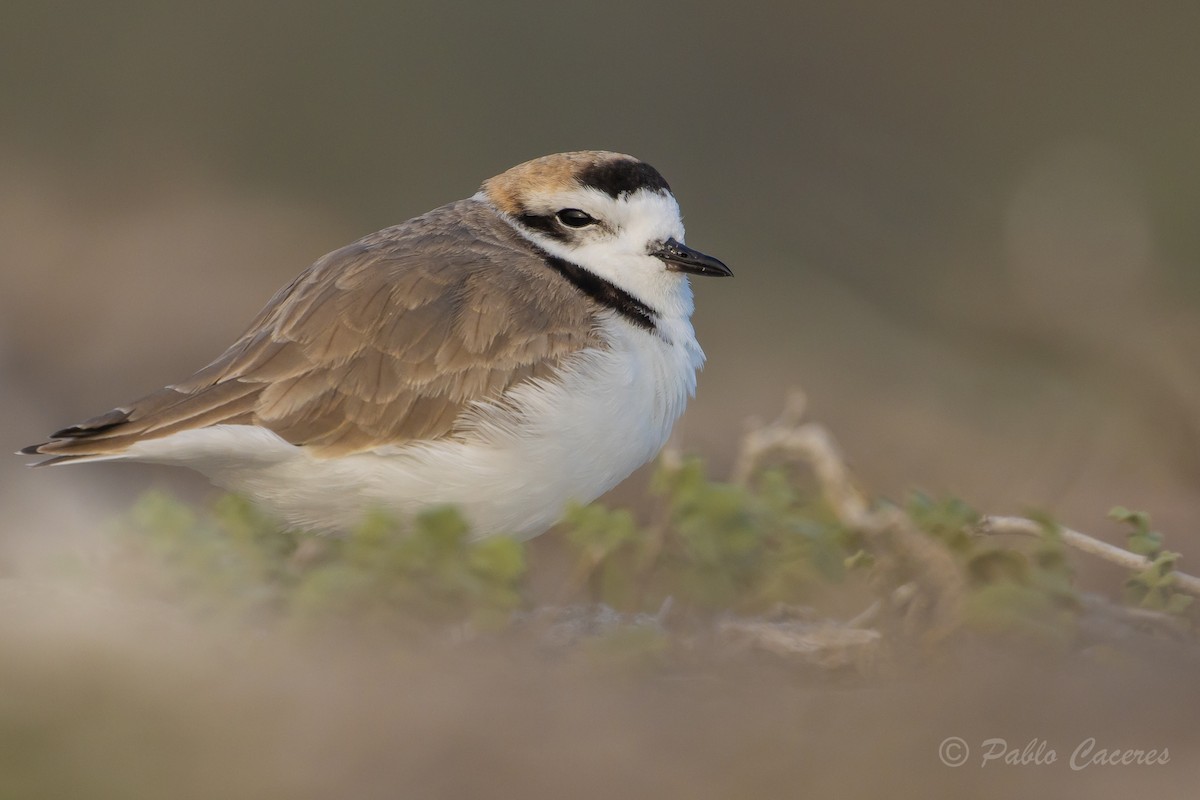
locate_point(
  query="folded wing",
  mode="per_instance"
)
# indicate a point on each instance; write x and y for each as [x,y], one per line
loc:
[385,341]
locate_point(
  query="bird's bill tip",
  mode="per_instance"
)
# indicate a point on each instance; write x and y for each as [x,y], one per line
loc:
[680,258]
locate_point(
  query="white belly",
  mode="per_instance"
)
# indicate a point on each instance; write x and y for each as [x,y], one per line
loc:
[515,470]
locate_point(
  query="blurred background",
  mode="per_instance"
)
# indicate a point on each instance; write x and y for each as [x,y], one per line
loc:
[968,231]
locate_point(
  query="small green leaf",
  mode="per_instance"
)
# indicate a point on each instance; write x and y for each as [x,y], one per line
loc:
[861,559]
[1178,603]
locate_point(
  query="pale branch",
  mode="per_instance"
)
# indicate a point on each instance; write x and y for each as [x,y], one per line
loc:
[811,443]
[995,525]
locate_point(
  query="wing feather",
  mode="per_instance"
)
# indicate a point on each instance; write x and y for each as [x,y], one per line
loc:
[385,341]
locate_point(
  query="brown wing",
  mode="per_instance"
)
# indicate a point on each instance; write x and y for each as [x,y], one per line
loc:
[385,341]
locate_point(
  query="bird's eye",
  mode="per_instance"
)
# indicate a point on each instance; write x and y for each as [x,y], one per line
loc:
[574,218]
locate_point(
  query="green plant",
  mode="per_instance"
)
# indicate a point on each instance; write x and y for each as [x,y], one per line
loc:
[1152,587]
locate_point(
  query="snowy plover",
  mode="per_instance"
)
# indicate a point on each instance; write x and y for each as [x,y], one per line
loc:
[508,353]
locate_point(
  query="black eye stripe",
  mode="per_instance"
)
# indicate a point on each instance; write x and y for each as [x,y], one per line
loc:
[574,218]
[557,226]
[543,223]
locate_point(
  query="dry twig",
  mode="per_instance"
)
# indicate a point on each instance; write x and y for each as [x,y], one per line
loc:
[940,587]
[887,526]
[1020,526]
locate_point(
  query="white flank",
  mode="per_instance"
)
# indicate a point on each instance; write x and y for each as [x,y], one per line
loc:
[514,472]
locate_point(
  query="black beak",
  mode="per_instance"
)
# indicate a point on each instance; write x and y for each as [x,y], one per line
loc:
[681,258]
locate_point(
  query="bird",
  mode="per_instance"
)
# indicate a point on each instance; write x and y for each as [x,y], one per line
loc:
[509,354]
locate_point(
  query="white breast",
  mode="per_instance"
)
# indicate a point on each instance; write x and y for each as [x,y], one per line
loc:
[610,411]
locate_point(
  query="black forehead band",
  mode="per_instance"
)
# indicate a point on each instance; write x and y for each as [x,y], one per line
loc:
[623,176]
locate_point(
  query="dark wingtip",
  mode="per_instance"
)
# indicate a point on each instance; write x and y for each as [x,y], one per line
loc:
[89,427]
[36,450]
[94,425]
[49,462]
[68,433]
